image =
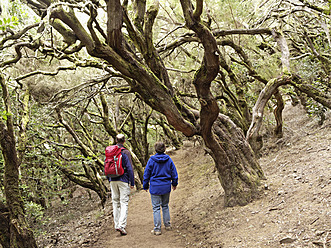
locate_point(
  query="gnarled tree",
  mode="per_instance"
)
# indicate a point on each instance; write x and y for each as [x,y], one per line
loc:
[122,38]
[14,228]
[135,56]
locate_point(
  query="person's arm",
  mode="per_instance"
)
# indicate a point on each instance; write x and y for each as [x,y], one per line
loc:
[128,153]
[147,175]
[174,175]
[129,169]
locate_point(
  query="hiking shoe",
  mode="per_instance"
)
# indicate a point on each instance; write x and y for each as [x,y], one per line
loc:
[168,228]
[122,231]
[156,232]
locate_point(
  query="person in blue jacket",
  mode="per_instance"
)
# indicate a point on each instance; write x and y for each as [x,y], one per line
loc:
[159,176]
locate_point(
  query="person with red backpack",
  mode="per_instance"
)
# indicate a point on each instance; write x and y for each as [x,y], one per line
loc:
[119,171]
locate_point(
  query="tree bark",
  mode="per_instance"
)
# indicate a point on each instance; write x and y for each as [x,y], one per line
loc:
[323,98]
[140,149]
[20,234]
[278,131]
[239,171]
[22,139]
[4,226]
[253,135]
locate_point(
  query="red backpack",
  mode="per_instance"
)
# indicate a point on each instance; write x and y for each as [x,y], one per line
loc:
[113,162]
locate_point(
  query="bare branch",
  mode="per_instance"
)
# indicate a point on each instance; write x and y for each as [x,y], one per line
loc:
[243,31]
[46,73]
[17,35]
[190,37]
[170,32]
[86,151]
[282,44]
[198,10]
[315,7]
[177,70]
[18,56]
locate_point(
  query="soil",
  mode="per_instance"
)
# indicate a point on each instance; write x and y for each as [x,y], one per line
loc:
[293,210]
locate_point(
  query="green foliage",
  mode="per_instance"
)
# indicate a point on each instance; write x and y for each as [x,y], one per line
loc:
[35,215]
[34,211]
[8,23]
[4,115]
[15,13]
[40,178]
[315,109]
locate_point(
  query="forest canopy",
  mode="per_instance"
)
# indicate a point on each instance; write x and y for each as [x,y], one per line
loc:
[76,73]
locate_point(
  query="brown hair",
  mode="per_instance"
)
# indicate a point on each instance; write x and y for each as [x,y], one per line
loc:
[159,147]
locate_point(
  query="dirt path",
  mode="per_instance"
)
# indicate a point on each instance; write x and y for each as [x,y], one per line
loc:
[139,226]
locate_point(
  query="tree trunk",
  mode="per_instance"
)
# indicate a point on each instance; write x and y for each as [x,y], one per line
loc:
[278,131]
[168,132]
[253,135]
[239,171]
[4,226]
[139,169]
[20,235]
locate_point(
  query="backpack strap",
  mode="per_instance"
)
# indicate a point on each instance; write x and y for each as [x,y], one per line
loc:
[123,165]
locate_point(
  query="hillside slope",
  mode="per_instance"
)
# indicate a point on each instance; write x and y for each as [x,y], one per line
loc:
[295,208]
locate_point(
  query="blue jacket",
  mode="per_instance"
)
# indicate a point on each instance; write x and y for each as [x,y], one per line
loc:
[160,173]
[128,176]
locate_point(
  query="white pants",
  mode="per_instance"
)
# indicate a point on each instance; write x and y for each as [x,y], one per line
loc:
[120,193]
